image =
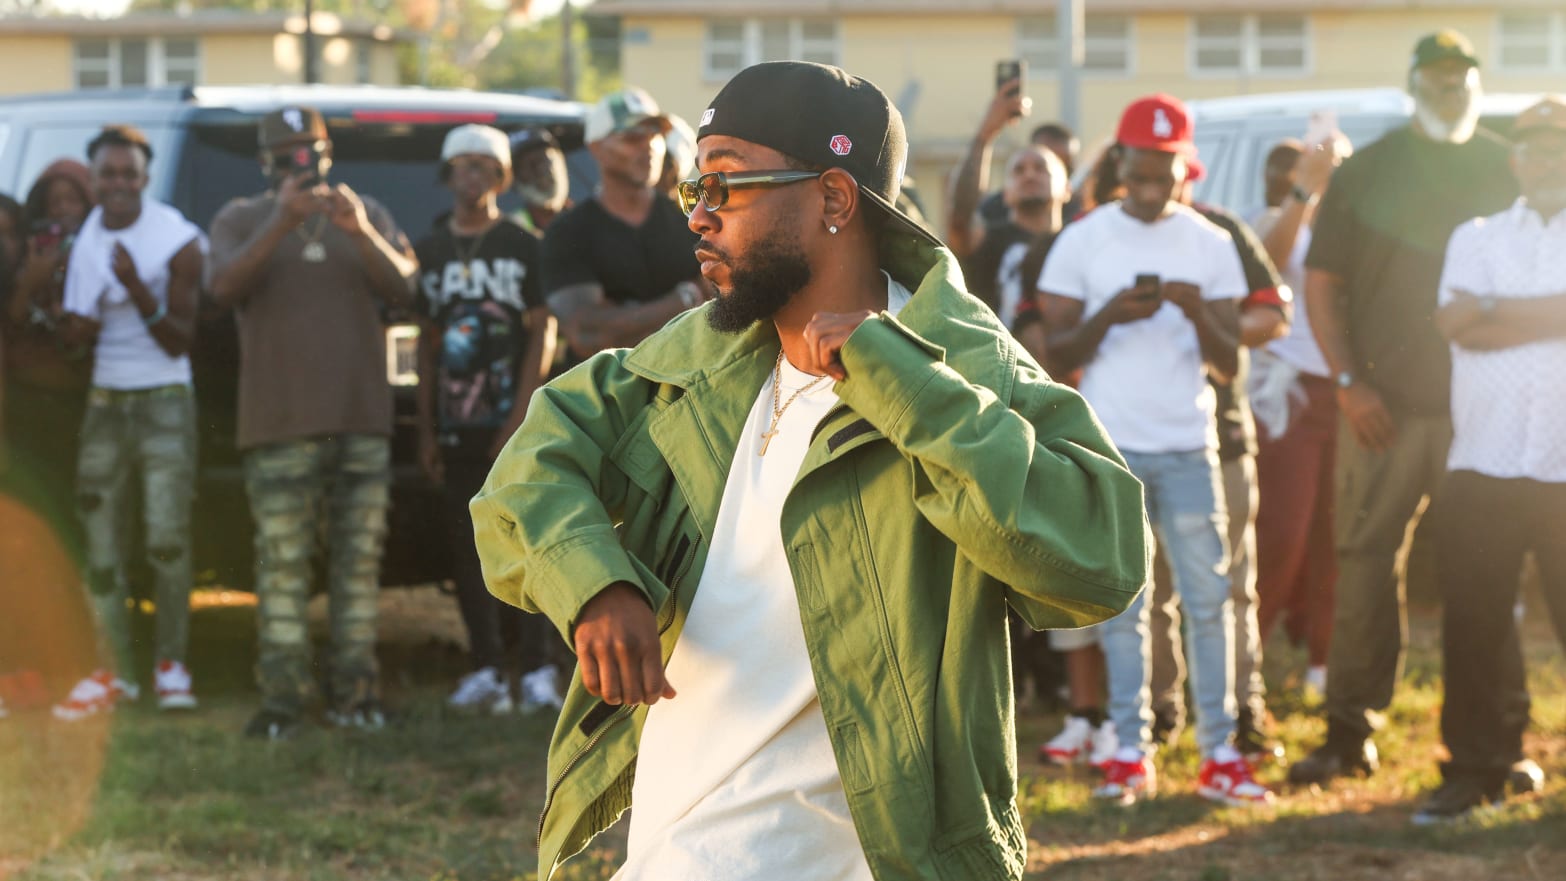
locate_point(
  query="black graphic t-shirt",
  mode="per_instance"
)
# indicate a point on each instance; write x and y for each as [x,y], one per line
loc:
[476,291]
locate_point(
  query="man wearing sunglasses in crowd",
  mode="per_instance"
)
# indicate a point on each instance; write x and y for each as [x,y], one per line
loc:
[806,506]
[618,265]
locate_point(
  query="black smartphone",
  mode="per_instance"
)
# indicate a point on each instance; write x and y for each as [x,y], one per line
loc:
[1011,69]
[1147,280]
[306,162]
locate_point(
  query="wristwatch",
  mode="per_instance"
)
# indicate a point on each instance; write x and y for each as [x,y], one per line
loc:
[1301,196]
[1345,379]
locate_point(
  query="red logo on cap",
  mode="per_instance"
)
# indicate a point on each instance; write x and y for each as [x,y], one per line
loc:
[841,145]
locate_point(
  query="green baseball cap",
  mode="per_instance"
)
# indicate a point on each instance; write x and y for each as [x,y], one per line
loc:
[1441,46]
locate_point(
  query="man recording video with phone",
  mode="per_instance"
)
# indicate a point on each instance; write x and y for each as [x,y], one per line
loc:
[307,266]
[1143,295]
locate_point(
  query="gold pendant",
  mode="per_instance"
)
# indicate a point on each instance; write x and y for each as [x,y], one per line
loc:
[314,252]
[766,439]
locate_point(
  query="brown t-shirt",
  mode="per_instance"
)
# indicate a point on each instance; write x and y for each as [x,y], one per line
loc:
[312,343]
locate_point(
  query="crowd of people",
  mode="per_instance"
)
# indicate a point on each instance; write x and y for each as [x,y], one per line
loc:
[1289,389]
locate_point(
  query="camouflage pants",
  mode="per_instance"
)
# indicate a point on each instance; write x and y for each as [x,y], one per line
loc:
[150,435]
[291,485]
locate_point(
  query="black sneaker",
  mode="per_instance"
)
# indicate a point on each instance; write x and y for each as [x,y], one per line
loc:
[367,715]
[1454,800]
[1253,738]
[1335,758]
[272,725]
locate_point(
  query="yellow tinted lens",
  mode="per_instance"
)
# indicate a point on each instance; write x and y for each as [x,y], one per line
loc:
[688,191]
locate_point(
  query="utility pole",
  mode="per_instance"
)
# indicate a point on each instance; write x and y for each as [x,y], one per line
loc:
[1069,26]
[567,51]
[311,73]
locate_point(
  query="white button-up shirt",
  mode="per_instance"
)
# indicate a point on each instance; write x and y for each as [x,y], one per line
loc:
[1509,405]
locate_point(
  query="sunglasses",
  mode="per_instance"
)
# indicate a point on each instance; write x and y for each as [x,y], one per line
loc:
[711,190]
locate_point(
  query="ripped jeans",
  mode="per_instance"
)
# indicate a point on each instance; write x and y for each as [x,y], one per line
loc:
[1185,503]
[147,435]
[291,485]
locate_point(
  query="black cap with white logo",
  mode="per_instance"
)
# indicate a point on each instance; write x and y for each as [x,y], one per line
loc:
[823,116]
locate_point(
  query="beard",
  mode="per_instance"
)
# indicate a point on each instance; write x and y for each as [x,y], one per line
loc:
[1032,203]
[772,273]
[534,196]
[1458,131]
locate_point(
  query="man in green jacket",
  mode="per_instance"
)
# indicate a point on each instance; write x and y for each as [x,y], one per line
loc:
[806,505]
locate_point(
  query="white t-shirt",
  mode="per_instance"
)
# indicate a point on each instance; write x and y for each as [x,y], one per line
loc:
[126,356]
[1147,382]
[1509,405]
[1298,348]
[735,777]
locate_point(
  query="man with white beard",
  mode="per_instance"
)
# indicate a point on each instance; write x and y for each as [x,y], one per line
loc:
[1372,276]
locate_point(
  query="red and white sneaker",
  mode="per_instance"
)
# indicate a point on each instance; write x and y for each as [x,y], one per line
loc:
[1226,777]
[1080,743]
[96,694]
[1128,778]
[173,684]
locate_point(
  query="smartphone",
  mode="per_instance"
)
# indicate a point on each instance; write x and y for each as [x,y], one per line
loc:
[1322,127]
[1011,69]
[1148,280]
[307,162]
[47,236]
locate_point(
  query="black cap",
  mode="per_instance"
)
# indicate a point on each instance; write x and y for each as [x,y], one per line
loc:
[535,138]
[823,116]
[291,124]
[1441,46]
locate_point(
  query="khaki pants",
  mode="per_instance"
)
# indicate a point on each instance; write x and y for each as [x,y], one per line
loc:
[1168,676]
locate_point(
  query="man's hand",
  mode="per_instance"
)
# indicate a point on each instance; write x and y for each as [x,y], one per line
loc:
[1367,416]
[824,338]
[617,648]
[1184,295]
[1313,170]
[1134,304]
[125,266]
[297,202]
[1006,107]
[78,330]
[348,212]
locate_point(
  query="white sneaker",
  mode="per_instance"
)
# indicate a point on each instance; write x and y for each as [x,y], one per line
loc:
[172,682]
[482,691]
[1072,745]
[539,690]
[96,694]
[1105,744]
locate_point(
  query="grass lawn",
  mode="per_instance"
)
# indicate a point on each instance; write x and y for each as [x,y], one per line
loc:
[444,798]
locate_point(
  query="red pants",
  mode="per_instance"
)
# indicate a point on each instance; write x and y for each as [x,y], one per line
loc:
[1295,559]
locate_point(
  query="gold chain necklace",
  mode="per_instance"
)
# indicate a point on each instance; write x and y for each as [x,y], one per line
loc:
[478,242]
[777,409]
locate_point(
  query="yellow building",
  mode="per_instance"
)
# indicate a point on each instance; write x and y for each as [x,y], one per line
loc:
[936,58]
[209,47]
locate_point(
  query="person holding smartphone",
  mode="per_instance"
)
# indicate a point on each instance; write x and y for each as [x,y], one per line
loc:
[308,266]
[1143,295]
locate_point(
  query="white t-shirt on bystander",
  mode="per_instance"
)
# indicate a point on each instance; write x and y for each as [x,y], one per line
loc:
[1147,383]
[735,777]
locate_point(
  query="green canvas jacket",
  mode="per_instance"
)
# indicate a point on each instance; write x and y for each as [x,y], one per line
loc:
[953,479]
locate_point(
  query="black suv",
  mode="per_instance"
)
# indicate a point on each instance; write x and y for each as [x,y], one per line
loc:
[386,144]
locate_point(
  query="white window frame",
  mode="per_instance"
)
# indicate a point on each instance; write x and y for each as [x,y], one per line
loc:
[750,42]
[1250,48]
[157,61]
[1554,40]
[1027,46]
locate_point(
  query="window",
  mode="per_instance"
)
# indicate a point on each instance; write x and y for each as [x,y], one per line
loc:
[731,45]
[1532,42]
[127,62]
[1106,44]
[363,72]
[1239,45]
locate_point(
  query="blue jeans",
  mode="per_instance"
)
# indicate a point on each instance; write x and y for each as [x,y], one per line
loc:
[1185,503]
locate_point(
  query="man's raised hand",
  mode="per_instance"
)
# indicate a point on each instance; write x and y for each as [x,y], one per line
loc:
[616,639]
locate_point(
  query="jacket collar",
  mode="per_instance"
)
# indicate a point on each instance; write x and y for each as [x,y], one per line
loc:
[941,317]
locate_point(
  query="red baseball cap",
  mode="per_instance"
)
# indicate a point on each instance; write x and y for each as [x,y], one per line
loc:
[1157,122]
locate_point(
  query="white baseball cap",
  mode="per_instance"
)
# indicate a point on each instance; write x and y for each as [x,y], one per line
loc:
[477,140]
[618,111]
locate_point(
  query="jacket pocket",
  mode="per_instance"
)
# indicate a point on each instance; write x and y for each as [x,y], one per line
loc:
[852,766]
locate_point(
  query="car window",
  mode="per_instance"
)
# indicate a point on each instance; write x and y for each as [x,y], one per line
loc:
[45,143]
[1213,147]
